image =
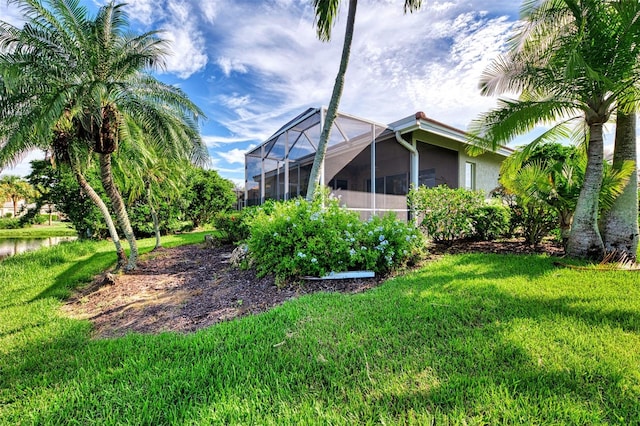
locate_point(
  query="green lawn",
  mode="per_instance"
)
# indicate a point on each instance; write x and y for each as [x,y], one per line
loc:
[57,229]
[469,339]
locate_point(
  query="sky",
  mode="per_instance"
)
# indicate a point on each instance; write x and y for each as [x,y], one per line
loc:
[251,66]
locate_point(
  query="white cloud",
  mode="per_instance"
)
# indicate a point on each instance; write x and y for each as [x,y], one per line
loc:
[216,141]
[144,11]
[235,156]
[228,65]
[210,10]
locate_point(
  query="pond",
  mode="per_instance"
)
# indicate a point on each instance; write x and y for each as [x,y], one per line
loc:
[13,246]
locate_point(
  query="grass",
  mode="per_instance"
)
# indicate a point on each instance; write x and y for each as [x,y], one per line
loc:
[469,339]
[57,229]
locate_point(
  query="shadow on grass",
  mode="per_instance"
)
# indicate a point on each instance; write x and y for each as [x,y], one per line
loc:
[388,355]
[80,272]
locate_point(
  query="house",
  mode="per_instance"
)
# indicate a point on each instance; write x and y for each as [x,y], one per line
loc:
[370,166]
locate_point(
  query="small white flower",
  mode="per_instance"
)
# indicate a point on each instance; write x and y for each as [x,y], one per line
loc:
[275,234]
[352,252]
[314,260]
[381,238]
[301,255]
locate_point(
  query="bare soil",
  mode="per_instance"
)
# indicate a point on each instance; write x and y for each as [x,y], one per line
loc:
[187,288]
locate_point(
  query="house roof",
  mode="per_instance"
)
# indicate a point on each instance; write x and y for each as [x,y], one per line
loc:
[419,121]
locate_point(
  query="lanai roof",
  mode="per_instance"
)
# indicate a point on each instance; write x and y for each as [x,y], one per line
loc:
[302,134]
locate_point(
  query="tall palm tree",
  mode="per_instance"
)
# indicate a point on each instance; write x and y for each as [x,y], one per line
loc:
[96,69]
[572,60]
[620,223]
[326,12]
[67,150]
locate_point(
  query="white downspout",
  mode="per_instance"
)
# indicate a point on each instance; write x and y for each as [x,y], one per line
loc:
[415,165]
[414,158]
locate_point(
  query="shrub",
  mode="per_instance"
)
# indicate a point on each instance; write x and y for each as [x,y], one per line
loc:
[445,213]
[296,238]
[535,220]
[491,221]
[10,223]
[234,225]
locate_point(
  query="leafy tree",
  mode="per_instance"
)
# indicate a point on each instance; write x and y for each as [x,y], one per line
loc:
[326,12]
[571,60]
[207,194]
[93,70]
[63,190]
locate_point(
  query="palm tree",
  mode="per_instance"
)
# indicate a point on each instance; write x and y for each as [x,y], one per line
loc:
[326,12]
[556,180]
[63,61]
[14,188]
[572,60]
[150,175]
[620,224]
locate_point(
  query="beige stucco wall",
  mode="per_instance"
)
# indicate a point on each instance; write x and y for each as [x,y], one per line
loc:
[487,170]
[487,165]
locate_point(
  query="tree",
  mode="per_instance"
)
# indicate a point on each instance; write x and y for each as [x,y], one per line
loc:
[620,224]
[15,188]
[153,179]
[571,60]
[326,12]
[65,63]
[207,194]
[63,190]
[553,174]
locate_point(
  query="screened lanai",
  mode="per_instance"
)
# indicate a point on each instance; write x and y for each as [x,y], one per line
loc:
[279,168]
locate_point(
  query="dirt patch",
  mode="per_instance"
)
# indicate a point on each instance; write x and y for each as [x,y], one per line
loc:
[184,289]
[187,288]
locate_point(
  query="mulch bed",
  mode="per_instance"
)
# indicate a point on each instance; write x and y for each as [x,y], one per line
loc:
[187,288]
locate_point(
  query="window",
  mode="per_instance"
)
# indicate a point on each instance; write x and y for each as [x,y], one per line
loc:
[470,175]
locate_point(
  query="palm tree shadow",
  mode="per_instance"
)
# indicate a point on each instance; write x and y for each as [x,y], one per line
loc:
[79,273]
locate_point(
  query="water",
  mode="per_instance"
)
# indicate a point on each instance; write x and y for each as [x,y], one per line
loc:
[13,246]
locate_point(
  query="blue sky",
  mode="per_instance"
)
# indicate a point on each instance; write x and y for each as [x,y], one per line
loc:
[254,65]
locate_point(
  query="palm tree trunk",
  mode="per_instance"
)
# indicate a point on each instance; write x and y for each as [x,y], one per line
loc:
[91,193]
[332,110]
[566,217]
[154,216]
[585,240]
[106,177]
[620,224]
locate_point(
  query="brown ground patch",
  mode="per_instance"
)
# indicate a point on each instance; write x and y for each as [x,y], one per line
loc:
[187,288]
[184,289]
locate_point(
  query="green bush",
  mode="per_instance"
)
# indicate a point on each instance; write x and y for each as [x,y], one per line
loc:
[10,223]
[535,221]
[8,215]
[296,238]
[234,224]
[491,221]
[444,213]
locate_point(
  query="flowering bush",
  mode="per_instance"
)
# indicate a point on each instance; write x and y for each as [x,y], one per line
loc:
[298,238]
